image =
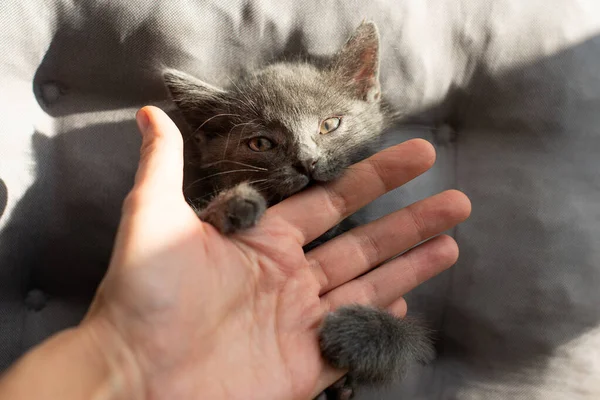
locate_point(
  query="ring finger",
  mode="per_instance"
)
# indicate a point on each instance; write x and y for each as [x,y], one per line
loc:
[384,285]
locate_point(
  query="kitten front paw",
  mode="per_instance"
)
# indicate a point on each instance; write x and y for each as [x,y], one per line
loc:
[235,209]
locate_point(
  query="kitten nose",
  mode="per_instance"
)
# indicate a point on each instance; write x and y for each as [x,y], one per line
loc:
[310,164]
[306,166]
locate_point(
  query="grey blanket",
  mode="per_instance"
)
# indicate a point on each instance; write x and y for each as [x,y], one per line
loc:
[507,90]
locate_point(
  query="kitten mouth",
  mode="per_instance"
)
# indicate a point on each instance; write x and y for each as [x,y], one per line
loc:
[311,183]
[305,184]
[298,184]
[325,177]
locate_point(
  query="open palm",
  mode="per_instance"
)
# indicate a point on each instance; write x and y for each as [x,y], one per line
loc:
[199,315]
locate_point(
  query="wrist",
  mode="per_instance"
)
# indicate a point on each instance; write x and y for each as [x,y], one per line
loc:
[83,362]
[121,378]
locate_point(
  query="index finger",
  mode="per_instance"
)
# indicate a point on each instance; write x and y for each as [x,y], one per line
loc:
[326,205]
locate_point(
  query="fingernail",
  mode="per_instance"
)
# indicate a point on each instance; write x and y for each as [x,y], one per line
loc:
[142,120]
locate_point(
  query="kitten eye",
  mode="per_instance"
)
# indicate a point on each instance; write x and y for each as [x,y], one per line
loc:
[329,125]
[260,144]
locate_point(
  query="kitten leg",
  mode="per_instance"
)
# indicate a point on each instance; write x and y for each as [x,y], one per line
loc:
[234,209]
[374,346]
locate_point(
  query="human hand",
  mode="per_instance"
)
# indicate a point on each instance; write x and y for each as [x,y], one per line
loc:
[199,315]
[186,313]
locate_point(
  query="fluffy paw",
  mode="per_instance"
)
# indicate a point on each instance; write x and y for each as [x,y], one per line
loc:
[235,209]
[373,345]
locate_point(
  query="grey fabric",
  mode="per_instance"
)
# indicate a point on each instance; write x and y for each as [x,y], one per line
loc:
[507,90]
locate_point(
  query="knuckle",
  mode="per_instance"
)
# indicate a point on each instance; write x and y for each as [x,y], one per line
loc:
[381,172]
[412,265]
[418,222]
[369,250]
[336,201]
[320,273]
[131,202]
[367,293]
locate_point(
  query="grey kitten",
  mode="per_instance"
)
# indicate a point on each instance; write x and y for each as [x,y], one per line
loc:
[270,134]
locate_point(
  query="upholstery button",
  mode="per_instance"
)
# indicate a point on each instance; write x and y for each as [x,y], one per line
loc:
[35,300]
[3,197]
[51,91]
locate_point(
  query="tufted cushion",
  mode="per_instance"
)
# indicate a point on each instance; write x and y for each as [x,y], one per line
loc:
[508,91]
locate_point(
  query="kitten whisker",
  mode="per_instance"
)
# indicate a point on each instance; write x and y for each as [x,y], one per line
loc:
[244,124]
[232,162]
[266,184]
[220,173]
[211,118]
[257,181]
[248,101]
[242,134]
[228,136]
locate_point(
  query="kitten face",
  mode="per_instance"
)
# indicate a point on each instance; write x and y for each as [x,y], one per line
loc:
[286,125]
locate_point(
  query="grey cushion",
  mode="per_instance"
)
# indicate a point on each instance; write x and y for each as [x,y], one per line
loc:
[507,90]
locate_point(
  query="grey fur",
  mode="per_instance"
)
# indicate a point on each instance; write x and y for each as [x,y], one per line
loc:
[286,103]
[235,209]
[374,345]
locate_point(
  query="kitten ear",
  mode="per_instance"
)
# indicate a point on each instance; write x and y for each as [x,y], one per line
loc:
[195,99]
[357,63]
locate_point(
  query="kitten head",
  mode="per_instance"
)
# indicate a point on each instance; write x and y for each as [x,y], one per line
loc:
[287,124]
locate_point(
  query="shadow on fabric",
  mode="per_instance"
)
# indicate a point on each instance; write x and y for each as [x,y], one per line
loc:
[526,282]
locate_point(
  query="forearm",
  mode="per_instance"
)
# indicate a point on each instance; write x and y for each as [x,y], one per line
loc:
[69,365]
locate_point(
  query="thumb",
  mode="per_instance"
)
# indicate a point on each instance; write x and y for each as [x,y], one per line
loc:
[160,170]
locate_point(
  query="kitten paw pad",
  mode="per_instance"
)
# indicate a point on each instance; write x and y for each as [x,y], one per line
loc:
[244,213]
[235,209]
